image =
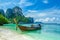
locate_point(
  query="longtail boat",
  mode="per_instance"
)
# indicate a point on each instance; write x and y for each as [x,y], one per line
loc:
[24,28]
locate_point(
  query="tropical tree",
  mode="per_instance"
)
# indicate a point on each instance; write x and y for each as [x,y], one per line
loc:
[3,20]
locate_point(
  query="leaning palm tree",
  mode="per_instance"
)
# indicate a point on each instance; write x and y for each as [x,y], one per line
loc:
[16,23]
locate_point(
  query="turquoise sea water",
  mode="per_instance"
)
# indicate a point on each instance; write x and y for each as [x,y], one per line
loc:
[48,32]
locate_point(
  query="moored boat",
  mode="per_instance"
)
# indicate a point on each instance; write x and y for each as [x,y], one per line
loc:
[24,28]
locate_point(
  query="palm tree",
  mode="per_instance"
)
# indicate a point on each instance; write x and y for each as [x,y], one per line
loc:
[16,23]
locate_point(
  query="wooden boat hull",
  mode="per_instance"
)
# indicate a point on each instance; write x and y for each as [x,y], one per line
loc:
[24,28]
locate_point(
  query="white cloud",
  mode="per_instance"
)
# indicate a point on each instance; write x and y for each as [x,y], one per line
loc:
[52,19]
[32,11]
[45,1]
[42,20]
[6,3]
[42,14]
[21,3]
[35,14]
[47,19]
[50,15]
[24,3]
[30,15]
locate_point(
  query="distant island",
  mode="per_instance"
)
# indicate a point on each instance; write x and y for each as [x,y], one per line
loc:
[47,23]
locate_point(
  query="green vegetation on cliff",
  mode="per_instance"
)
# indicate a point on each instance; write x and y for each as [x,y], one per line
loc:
[3,20]
[15,12]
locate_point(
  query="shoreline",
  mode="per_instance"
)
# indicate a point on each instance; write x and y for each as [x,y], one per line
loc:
[7,34]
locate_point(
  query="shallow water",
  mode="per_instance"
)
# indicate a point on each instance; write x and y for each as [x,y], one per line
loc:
[48,32]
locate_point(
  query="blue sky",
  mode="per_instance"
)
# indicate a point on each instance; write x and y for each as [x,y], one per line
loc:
[40,10]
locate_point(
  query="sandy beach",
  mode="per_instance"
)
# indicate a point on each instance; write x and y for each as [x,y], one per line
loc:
[48,32]
[6,34]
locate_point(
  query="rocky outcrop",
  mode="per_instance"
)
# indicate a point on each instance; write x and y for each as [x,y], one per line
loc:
[9,13]
[17,11]
[2,12]
[30,20]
